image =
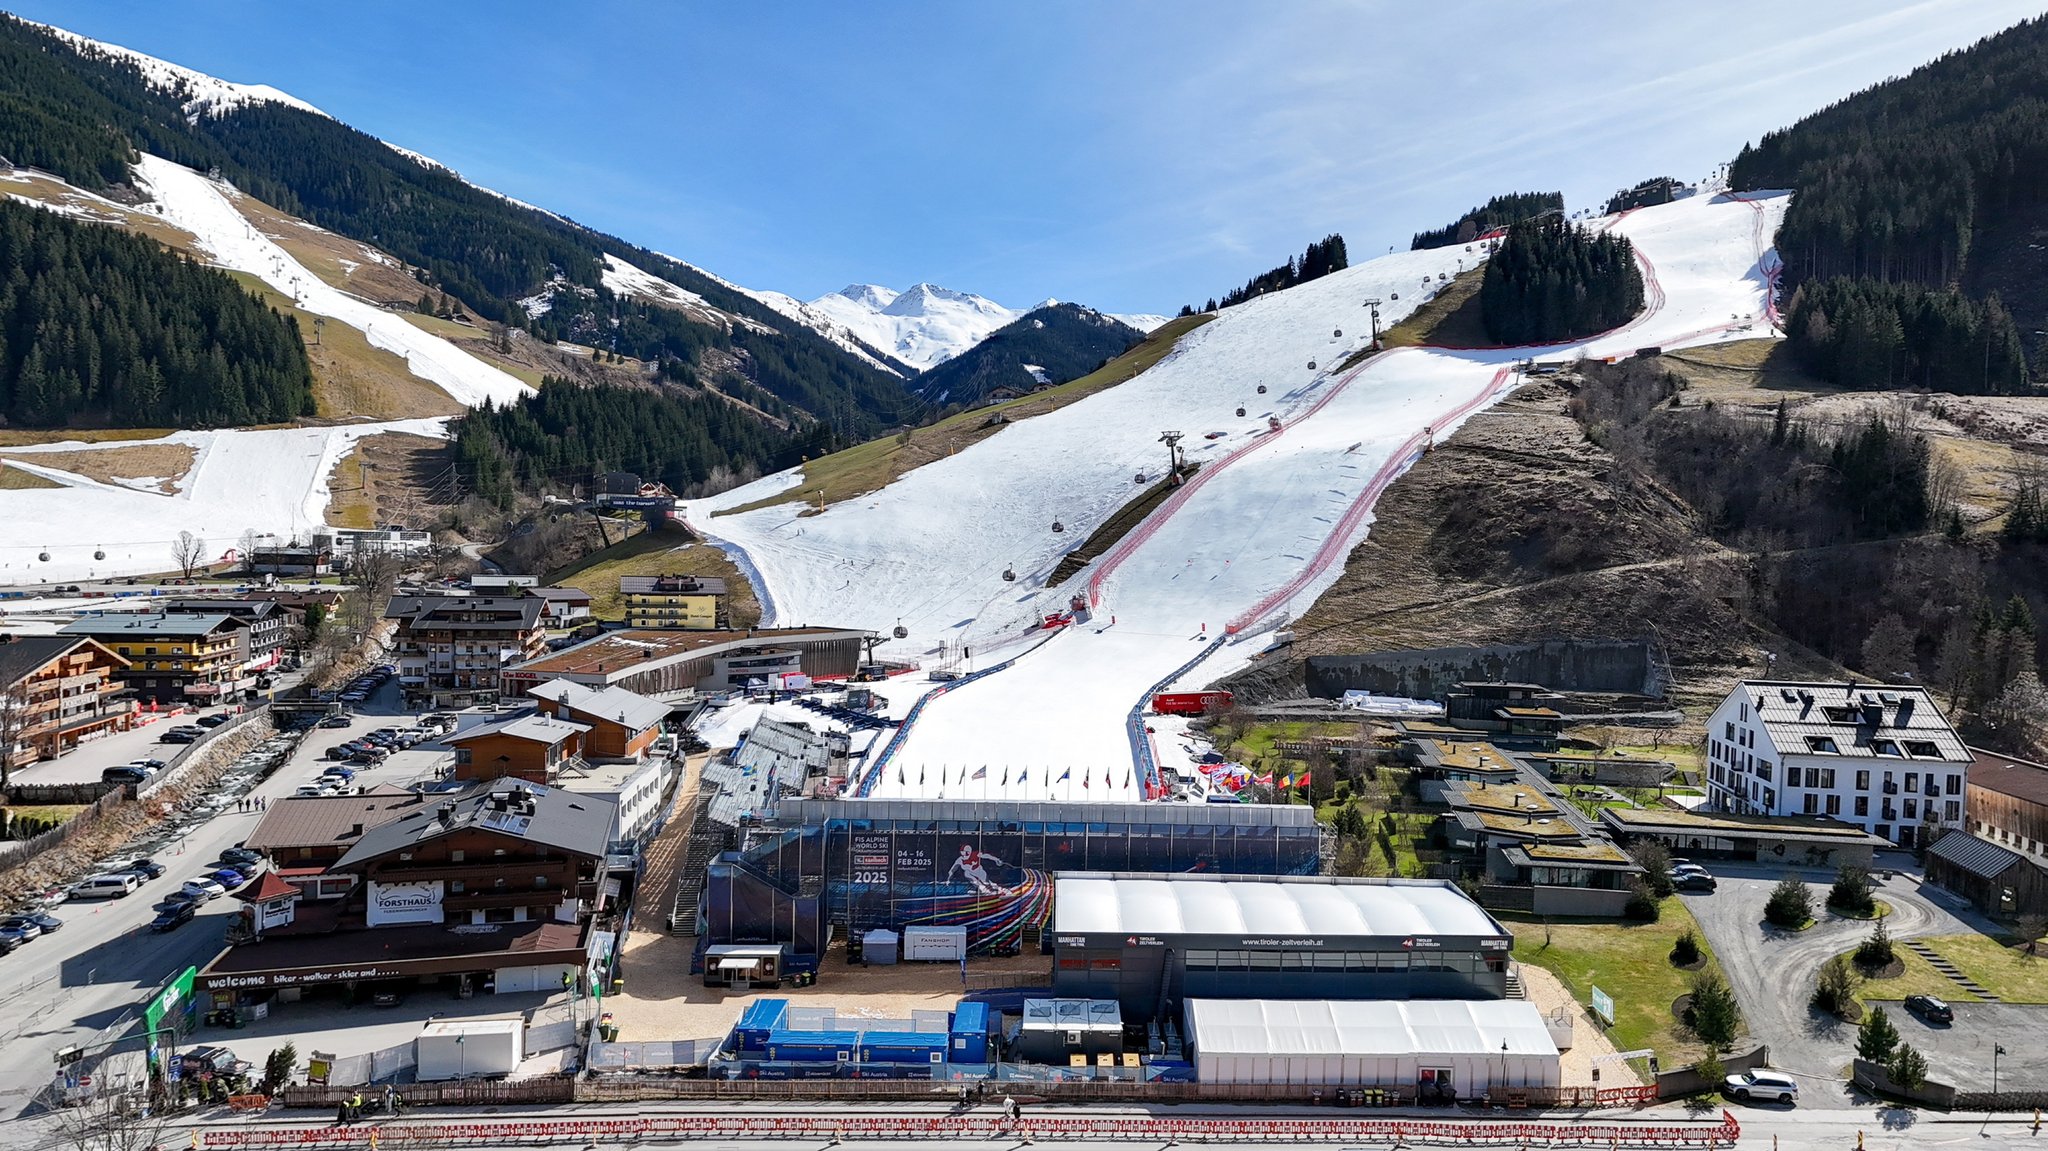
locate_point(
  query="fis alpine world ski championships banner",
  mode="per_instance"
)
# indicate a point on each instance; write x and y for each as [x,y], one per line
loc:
[988,866]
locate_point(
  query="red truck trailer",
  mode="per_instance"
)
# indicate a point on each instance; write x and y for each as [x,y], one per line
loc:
[1190,702]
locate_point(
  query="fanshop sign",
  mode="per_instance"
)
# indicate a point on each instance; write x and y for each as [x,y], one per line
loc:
[404,903]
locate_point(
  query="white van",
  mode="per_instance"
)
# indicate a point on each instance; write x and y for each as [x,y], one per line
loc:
[110,886]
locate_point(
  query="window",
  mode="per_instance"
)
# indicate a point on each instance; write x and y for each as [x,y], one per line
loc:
[1912,809]
[1810,804]
[1822,777]
[540,883]
[1922,749]
[1792,777]
[456,887]
[1834,805]
[462,755]
[1731,730]
[1884,747]
[1912,781]
[1764,768]
[1952,810]
[455,856]
[1955,786]
[1862,805]
[1822,745]
[1863,781]
[1770,798]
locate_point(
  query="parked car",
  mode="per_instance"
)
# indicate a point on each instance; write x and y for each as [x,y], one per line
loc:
[229,878]
[337,771]
[148,869]
[340,751]
[1931,1009]
[124,775]
[174,916]
[333,721]
[110,885]
[214,720]
[1762,1083]
[151,764]
[22,925]
[240,856]
[1697,881]
[370,755]
[203,888]
[42,919]
[175,736]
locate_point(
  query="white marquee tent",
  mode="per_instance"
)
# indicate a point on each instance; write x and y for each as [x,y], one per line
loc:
[1373,1043]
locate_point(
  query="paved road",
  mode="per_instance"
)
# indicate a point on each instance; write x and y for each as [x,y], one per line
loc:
[1772,970]
[62,989]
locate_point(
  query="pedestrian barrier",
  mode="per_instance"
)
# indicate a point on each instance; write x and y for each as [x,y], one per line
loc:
[1056,1128]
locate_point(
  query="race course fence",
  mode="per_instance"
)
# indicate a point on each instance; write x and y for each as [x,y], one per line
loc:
[1128,1129]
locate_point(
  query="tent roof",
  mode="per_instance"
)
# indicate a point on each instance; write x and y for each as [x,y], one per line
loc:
[1367,1027]
[1259,905]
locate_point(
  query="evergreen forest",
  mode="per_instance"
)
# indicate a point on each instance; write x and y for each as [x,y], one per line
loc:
[101,326]
[1496,213]
[1322,257]
[1553,280]
[1067,340]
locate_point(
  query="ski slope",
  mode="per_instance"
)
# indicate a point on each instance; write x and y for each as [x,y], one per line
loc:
[266,481]
[201,207]
[1259,533]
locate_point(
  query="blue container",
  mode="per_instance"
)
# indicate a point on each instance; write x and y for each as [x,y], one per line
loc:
[903,1047]
[813,1046]
[761,1019]
[969,1034]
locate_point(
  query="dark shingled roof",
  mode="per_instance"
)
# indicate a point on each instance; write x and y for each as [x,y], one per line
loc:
[22,656]
[570,821]
[1980,857]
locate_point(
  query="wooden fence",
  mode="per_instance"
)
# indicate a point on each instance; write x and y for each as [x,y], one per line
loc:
[457,1093]
[653,1088]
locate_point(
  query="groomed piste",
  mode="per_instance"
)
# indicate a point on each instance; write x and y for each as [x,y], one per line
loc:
[1260,532]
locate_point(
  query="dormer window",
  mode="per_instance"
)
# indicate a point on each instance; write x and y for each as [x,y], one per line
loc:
[1885,747]
[1922,749]
[1822,745]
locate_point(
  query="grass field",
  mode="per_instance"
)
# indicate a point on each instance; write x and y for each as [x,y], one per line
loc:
[352,378]
[2003,971]
[1918,978]
[865,467]
[1450,317]
[21,437]
[1629,961]
[163,462]
[16,480]
[649,553]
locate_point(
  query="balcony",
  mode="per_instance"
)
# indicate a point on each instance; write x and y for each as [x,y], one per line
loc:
[1888,815]
[1891,789]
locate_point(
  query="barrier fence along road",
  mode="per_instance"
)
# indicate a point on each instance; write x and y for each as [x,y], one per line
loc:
[1135,1129]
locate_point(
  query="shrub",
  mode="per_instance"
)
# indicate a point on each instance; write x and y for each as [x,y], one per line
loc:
[1710,1069]
[1878,1037]
[1686,951]
[1851,893]
[1713,1016]
[1642,905]
[1908,1068]
[1877,950]
[1790,905]
[1655,860]
[278,1068]
[1834,987]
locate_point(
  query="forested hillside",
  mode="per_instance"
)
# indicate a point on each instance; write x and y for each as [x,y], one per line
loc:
[1935,180]
[565,435]
[1498,212]
[1322,257]
[1553,280]
[80,114]
[1655,190]
[1067,341]
[101,326]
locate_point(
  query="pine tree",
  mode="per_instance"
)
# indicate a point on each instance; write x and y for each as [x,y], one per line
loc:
[1877,1037]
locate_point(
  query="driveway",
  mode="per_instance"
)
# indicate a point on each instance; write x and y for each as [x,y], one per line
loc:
[1959,1054]
[1772,971]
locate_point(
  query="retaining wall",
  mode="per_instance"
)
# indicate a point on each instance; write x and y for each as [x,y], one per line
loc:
[1602,665]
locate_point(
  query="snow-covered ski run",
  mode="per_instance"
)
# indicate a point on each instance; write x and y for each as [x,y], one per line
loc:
[1257,534]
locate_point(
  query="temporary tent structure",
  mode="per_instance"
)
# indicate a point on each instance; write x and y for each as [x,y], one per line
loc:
[1469,1045]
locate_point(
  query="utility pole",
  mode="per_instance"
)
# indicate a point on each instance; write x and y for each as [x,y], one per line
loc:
[1172,442]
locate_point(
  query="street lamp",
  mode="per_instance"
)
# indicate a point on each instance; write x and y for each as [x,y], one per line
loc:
[461,1059]
[1503,1064]
[1997,1049]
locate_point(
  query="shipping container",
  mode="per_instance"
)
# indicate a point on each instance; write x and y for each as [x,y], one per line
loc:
[935,943]
[470,1048]
[969,1034]
[813,1046]
[903,1047]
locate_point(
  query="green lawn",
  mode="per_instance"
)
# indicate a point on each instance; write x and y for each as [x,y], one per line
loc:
[666,552]
[1918,978]
[1629,961]
[1999,969]
[866,467]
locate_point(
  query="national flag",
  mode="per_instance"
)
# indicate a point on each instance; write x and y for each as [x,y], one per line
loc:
[1301,780]
[1287,781]
[981,772]
[920,776]
[1065,776]
[1006,775]
[1266,779]
[899,777]
[1023,775]
[1127,783]
[1084,779]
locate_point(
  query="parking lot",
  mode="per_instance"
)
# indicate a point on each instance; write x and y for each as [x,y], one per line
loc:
[1772,970]
[1959,1053]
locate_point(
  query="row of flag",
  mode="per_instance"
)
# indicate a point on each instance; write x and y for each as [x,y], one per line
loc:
[1023,776]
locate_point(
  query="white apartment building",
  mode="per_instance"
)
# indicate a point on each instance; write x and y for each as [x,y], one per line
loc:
[1879,756]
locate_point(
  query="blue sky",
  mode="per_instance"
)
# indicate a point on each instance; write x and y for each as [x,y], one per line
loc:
[1133,156]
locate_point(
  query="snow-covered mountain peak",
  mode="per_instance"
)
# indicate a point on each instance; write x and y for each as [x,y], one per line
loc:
[871,296]
[201,94]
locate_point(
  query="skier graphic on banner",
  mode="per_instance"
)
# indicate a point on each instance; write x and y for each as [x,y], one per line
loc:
[972,865]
